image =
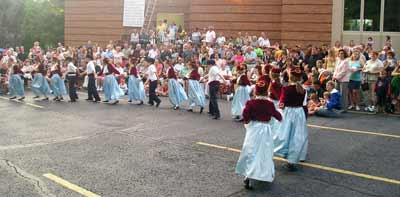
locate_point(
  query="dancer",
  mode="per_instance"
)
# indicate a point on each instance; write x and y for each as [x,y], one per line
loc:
[275,89]
[72,79]
[292,139]
[40,86]
[56,82]
[112,91]
[152,81]
[256,158]
[176,93]
[91,73]
[195,92]
[135,85]
[242,94]
[213,77]
[15,83]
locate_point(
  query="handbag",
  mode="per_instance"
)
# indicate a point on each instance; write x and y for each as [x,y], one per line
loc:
[365,86]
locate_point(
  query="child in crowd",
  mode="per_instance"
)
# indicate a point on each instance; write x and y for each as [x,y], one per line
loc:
[331,104]
[382,91]
[313,104]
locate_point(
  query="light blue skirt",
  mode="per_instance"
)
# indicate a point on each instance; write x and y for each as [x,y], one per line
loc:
[16,85]
[239,100]
[58,86]
[196,94]
[256,158]
[275,124]
[136,89]
[112,91]
[176,93]
[40,86]
[291,140]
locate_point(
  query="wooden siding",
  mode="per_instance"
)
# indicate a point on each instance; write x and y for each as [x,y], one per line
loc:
[287,21]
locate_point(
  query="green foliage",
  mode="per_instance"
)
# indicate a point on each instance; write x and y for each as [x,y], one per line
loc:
[43,21]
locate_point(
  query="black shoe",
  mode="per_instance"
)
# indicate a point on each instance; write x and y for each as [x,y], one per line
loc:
[290,167]
[106,101]
[217,117]
[158,104]
[141,103]
[115,102]
[45,99]
[151,104]
[201,110]
[61,98]
[89,100]
[190,110]
[55,99]
[176,107]
[246,182]
[12,98]
[72,101]
[96,101]
[21,99]
[130,101]
[36,97]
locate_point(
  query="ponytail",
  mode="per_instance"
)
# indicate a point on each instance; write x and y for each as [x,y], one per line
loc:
[299,88]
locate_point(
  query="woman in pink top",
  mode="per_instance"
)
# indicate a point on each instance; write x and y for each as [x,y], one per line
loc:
[342,77]
[238,57]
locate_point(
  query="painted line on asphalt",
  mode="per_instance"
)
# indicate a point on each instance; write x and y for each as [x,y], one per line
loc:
[70,186]
[316,166]
[22,102]
[372,113]
[354,131]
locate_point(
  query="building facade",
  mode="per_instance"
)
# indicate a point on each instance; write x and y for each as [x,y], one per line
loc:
[287,21]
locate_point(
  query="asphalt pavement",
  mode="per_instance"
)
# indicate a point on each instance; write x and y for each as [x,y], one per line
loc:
[93,149]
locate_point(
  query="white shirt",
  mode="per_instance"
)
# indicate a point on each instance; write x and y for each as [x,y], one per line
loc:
[153,53]
[90,68]
[213,74]
[135,37]
[151,72]
[210,36]
[178,67]
[221,40]
[374,67]
[264,42]
[71,68]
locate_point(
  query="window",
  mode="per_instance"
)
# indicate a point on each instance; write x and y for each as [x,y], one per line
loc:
[372,13]
[352,15]
[392,17]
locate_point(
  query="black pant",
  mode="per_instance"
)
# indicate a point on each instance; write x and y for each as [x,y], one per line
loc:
[72,87]
[152,93]
[92,91]
[213,106]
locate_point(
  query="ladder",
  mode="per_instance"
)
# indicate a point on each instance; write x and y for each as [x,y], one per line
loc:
[151,7]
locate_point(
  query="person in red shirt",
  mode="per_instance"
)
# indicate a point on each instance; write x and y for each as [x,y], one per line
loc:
[292,140]
[112,91]
[196,94]
[256,158]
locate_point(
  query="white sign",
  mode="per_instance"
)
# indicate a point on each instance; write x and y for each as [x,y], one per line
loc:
[134,13]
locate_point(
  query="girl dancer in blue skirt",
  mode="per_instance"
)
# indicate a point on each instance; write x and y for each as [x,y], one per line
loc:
[57,83]
[242,94]
[135,85]
[291,141]
[196,92]
[112,90]
[275,89]
[256,158]
[15,83]
[176,93]
[40,86]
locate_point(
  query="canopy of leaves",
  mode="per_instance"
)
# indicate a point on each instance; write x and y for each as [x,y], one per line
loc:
[26,21]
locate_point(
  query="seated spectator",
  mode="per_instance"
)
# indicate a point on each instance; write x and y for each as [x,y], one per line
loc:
[313,104]
[331,102]
[317,89]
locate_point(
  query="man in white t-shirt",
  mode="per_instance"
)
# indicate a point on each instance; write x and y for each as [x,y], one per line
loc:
[91,73]
[154,53]
[221,40]
[152,79]
[134,38]
[210,36]
[263,41]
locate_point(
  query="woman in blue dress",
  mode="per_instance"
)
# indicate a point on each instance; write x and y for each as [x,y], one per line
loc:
[40,86]
[256,158]
[242,94]
[57,83]
[15,83]
[176,93]
[196,92]
[135,85]
[291,141]
[112,91]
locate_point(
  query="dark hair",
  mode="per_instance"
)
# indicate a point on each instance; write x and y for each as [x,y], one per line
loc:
[89,57]
[344,52]
[68,59]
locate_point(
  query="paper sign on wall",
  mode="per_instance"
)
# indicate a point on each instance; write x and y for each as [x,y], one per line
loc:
[134,13]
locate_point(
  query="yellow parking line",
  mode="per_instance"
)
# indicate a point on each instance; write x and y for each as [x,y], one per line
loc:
[316,166]
[29,104]
[70,186]
[354,131]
